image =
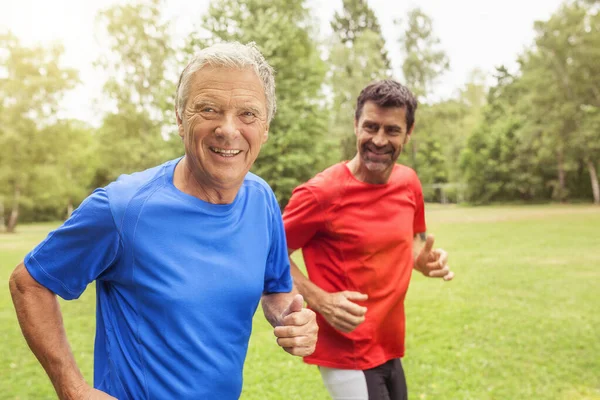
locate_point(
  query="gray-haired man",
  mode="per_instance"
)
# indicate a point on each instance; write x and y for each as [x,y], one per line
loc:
[181,254]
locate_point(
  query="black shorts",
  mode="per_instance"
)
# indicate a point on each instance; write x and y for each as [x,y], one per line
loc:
[384,382]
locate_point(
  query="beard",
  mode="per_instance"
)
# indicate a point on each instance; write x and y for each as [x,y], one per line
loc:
[377,159]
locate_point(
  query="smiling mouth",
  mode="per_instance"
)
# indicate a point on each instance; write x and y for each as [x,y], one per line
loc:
[225,152]
[378,153]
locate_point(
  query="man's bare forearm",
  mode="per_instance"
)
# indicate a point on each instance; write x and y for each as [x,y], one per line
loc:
[41,322]
[312,293]
[418,244]
[274,304]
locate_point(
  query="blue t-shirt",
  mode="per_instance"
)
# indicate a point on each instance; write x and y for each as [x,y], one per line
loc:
[178,281]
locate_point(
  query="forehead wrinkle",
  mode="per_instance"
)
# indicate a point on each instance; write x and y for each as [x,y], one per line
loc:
[227,100]
[228,86]
[231,101]
[216,85]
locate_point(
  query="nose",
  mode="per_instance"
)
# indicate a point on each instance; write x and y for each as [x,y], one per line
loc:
[379,138]
[227,128]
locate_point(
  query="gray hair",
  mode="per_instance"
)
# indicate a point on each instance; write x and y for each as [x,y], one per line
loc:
[229,55]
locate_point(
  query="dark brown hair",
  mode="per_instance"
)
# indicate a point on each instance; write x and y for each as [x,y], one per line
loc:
[388,93]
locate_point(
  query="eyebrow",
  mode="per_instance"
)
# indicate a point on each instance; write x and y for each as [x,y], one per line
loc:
[253,108]
[398,127]
[204,101]
[394,126]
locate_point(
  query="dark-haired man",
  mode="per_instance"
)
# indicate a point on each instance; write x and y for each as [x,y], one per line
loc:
[361,227]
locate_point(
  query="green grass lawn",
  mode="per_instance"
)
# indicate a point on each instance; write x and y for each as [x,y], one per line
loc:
[521,320]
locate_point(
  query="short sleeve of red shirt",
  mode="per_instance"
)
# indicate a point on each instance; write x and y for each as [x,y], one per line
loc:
[302,217]
[419,221]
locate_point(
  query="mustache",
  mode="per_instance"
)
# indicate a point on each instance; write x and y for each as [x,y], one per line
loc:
[372,147]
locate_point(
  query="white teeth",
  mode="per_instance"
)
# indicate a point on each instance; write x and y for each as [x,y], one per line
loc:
[229,152]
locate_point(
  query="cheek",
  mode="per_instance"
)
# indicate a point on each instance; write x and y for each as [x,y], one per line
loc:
[398,143]
[191,137]
[255,136]
[197,131]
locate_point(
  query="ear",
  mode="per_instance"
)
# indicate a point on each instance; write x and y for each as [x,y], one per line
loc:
[265,135]
[179,123]
[355,127]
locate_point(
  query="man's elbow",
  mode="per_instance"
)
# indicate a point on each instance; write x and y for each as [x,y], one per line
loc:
[14,284]
[20,281]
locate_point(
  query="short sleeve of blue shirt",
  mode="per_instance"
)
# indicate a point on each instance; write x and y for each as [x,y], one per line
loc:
[79,251]
[277,277]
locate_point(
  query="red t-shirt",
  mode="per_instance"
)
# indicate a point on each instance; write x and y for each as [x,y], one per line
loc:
[358,236]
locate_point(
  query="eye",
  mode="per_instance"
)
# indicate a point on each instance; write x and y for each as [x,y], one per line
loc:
[248,114]
[371,127]
[394,131]
[208,109]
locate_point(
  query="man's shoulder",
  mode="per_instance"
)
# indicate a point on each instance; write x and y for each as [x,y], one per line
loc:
[328,180]
[325,186]
[404,174]
[128,186]
[252,179]
[258,184]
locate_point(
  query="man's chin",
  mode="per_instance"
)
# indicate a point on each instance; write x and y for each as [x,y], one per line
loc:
[375,166]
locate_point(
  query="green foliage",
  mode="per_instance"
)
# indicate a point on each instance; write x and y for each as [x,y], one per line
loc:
[140,61]
[357,57]
[536,137]
[540,130]
[298,146]
[355,19]
[494,167]
[64,179]
[352,67]
[424,60]
[32,83]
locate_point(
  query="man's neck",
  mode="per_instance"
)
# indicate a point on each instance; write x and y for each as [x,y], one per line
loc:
[185,180]
[363,174]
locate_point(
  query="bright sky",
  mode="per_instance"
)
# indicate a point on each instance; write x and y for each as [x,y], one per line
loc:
[474,33]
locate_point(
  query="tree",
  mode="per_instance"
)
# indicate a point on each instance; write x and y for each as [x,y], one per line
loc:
[351,69]
[32,82]
[283,30]
[541,129]
[500,162]
[589,140]
[65,178]
[356,18]
[442,129]
[441,133]
[562,72]
[424,60]
[357,57]
[139,61]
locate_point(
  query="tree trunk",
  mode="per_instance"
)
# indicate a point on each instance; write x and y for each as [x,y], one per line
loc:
[561,177]
[594,179]
[14,212]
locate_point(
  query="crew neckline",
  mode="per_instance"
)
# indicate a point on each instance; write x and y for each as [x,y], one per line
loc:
[374,185]
[217,209]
